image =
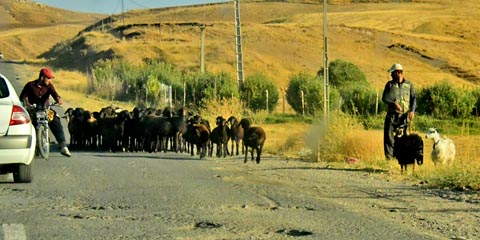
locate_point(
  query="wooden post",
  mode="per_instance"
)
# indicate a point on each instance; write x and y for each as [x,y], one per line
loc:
[303,103]
[266,98]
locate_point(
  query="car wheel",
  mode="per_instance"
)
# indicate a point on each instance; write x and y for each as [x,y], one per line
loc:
[23,174]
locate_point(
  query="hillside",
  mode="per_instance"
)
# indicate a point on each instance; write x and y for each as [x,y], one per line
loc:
[27,29]
[433,39]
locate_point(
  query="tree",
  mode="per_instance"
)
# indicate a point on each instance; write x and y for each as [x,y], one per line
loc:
[312,88]
[443,101]
[344,74]
[208,86]
[360,101]
[254,92]
[153,90]
[358,96]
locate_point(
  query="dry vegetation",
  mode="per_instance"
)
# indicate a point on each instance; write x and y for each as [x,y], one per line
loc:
[435,40]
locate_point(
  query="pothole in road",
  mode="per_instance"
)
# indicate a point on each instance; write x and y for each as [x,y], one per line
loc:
[294,232]
[207,225]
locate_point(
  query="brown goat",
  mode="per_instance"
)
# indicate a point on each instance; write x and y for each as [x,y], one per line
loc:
[254,137]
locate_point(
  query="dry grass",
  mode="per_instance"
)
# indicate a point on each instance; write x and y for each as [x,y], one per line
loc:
[30,43]
[282,39]
[285,139]
[225,108]
[344,140]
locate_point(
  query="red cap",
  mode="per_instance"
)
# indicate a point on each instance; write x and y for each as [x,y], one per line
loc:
[46,72]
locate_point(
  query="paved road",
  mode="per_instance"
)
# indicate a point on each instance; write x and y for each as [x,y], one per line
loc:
[176,196]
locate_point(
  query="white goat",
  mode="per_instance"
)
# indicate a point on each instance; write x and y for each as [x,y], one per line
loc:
[443,147]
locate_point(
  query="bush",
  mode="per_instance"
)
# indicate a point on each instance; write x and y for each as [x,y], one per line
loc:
[464,104]
[312,92]
[476,107]
[119,80]
[443,101]
[312,88]
[254,93]
[204,87]
[149,83]
[343,75]
[360,101]
[357,95]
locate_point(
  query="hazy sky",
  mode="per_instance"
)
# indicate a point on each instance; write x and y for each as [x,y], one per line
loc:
[115,6]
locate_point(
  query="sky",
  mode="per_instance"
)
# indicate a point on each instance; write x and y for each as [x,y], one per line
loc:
[116,6]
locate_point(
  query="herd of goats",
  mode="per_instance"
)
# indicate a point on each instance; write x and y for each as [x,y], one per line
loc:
[153,130]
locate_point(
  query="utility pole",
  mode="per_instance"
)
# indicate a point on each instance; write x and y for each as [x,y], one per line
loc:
[123,12]
[202,53]
[203,26]
[326,99]
[238,38]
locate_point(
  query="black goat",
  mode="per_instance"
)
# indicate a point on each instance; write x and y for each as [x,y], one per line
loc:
[179,123]
[407,149]
[236,134]
[219,137]
[254,137]
[198,134]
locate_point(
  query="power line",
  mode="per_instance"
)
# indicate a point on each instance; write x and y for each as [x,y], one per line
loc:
[116,7]
[139,5]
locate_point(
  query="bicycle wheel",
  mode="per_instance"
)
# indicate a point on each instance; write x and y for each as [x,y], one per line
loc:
[43,143]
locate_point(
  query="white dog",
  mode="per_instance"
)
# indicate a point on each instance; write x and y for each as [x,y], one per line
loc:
[443,147]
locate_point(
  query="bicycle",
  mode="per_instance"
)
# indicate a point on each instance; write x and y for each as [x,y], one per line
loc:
[42,130]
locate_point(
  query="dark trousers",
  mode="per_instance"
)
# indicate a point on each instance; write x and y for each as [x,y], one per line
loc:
[392,122]
[55,127]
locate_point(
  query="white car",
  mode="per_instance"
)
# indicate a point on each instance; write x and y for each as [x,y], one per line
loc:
[1,55]
[17,135]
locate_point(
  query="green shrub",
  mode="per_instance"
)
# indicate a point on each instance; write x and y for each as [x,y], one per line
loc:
[476,107]
[313,91]
[149,83]
[204,87]
[360,100]
[119,80]
[443,101]
[357,95]
[343,75]
[254,93]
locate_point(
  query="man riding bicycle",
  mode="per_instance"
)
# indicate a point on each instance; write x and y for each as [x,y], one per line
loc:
[38,92]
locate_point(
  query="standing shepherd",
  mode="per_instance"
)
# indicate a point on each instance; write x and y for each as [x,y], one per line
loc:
[399,95]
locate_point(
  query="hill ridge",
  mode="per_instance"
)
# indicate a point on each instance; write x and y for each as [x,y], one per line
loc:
[428,40]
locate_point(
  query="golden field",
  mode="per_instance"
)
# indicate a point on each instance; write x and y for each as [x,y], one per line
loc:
[434,39]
